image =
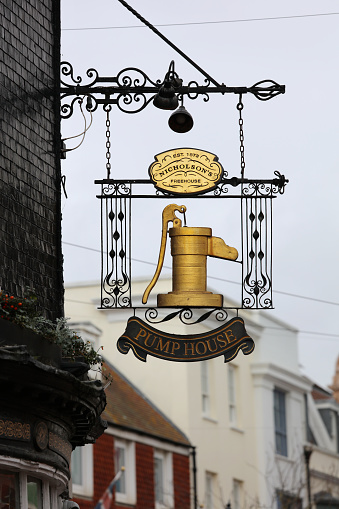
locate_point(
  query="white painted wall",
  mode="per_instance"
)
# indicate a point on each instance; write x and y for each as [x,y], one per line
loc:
[245,452]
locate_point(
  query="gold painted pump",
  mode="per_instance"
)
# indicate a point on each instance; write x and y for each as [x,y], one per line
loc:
[190,247]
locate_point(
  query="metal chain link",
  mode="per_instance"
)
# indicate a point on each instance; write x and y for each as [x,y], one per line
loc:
[240,107]
[108,143]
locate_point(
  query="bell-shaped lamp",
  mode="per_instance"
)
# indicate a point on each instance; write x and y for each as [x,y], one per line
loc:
[166,98]
[181,121]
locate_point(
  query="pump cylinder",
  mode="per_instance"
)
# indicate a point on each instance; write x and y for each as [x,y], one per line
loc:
[189,250]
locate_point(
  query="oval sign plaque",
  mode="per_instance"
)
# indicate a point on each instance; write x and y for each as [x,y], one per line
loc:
[186,171]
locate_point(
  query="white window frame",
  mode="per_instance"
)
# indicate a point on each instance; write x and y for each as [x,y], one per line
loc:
[232,394]
[85,488]
[167,476]
[49,492]
[237,494]
[129,473]
[278,431]
[210,481]
[205,389]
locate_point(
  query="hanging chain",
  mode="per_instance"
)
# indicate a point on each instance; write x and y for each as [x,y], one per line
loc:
[108,142]
[240,107]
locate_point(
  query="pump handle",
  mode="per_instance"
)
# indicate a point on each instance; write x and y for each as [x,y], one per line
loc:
[168,214]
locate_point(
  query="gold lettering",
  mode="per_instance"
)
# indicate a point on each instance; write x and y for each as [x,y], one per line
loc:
[209,346]
[230,336]
[222,341]
[203,344]
[162,347]
[176,346]
[142,333]
[187,347]
[145,342]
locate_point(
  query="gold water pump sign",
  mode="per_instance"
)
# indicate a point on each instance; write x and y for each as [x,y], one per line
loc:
[186,171]
[190,247]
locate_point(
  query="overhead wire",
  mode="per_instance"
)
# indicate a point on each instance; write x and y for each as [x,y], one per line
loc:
[226,281]
[271,18]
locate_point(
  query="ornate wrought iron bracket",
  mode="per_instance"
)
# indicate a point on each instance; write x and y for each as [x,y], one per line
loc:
[256,214]
[131,90]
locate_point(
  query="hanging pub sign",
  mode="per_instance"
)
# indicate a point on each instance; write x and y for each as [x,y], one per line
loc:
[226,340]
[190,247]
[186,171]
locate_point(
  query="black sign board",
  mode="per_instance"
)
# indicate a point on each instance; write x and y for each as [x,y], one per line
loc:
[226,340]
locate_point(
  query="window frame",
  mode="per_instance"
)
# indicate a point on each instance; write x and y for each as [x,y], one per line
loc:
[280,421]
[237,493]
[232,395]
[287,500]
[167,477]
[49,498]
[86,487]
[210,481]
[129,497]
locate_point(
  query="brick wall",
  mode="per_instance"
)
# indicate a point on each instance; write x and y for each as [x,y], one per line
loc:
[104,473]
[181,481]
[30,229]
[103,461]
[145,476]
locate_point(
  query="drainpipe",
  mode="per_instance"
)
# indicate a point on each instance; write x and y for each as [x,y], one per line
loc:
[307,456]
[194,470]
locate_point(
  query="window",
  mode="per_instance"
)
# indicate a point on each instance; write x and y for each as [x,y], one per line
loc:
[120,462]
[232,400]
[34,493]
[280,422]
[288,501]
[17,490]
[163,479]
[210,480]
[9,490]
[237,494]
[82,470]
[124,456]
[205,396]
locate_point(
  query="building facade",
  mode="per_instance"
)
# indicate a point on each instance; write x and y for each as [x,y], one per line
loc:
[152,454]
[46,406]
[250,419]
[30,175]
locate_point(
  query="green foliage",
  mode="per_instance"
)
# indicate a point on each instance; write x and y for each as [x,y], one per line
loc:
[24,312]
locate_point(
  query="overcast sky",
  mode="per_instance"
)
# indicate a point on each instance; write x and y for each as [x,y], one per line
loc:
[239,44]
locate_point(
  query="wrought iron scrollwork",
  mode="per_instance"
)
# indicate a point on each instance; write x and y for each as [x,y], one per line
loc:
[67,70]
[116,269]
[257,245]
[116,189]
[266,89]
[279,183]
[186,315]
[256,212]
[193,94]
[131,90]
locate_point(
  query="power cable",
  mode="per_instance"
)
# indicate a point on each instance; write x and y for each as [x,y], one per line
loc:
[319,334]
[214,277]
[272,18]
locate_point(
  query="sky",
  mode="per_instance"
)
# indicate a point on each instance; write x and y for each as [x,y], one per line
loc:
[239,44]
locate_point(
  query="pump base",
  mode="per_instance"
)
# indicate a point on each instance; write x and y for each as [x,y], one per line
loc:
[189,299]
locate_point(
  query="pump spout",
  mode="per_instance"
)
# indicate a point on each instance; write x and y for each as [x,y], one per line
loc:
[217,248]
